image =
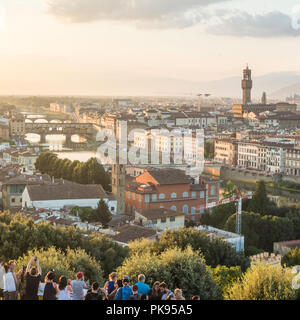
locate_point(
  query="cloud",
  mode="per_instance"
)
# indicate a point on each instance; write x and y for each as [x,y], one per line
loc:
[242,24]
[145,13]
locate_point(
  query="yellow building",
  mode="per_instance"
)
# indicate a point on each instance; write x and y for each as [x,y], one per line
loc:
[17,125]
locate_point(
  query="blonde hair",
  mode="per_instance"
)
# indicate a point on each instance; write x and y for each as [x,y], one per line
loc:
[112,276]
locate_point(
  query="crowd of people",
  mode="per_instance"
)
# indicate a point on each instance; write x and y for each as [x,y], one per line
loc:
[27,284]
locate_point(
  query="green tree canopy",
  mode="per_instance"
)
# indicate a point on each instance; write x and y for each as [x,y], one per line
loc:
[102,213]
[65,263]
[215,252]
[260,201]
[184,269]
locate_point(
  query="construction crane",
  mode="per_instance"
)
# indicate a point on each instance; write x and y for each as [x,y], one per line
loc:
[235,198]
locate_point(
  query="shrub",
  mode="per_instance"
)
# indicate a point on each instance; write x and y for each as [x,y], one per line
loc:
[183,269]
[264,282]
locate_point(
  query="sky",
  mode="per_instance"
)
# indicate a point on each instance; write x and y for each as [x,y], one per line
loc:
[123,47]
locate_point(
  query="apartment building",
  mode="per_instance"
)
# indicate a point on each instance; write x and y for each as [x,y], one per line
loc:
[226,151]
[170,189]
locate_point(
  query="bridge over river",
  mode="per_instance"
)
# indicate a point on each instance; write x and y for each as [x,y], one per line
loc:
[67,129]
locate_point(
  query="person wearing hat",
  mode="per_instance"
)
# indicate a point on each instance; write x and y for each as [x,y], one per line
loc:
[124,292]
[77,287]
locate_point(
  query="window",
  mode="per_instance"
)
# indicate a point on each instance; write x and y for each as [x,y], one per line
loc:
[162,196]
[213,190]
[163,220]
[13,200]
[201,210]
[174,195]
[185,209]
[174,208]
[147,198]
[154,197]
[172,219]
[194,195]
[202,194]
[154,221]
[193,210]
[112,209]
[140,198]
[129,194]
[133,196]
[185,194]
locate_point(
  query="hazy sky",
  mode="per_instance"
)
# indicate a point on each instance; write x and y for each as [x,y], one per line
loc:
[106,47]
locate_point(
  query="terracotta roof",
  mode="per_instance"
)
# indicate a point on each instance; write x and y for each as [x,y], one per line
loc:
[129,233]
[291,244]
[169,176]
[159,213]
[66,191]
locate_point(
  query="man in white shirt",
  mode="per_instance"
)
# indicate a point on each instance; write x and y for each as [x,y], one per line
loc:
[1,278]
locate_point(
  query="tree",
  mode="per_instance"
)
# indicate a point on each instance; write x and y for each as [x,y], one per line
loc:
[292,258]
[209,150]
[215,251]
[219,215]
[264,282]
[260,202]
[225,277]
[102,213]
[262,231]
[229,190]
[65,263]
[184,269]
[19,234]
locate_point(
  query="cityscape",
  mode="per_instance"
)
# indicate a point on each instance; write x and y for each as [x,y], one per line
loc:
[160,189]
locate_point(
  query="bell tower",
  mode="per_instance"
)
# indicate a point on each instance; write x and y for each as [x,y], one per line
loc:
[118,186]
[118,175]
[247,85]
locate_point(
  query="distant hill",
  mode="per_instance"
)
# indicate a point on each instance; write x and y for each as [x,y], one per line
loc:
[278,85]
[287,91]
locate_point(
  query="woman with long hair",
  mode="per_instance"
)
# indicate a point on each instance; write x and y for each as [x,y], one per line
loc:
[155,292]
[63,291]
[51,289]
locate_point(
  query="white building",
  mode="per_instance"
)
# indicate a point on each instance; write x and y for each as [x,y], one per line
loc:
[58,196]
[237,241]
[160,219]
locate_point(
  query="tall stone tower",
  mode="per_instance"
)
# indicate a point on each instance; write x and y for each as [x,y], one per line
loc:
[118,175]
[247,85]
[264,98]
[118,186]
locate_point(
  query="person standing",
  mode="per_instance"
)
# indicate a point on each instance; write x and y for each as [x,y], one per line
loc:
[155,293]
[165,291]
[33,277]
[135,295]
[124,292]
[63,290]
[178,294]
[10,288]
[77,287]
[110,285]
[51,289]
[94,293]
[2,272]
[143,288]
